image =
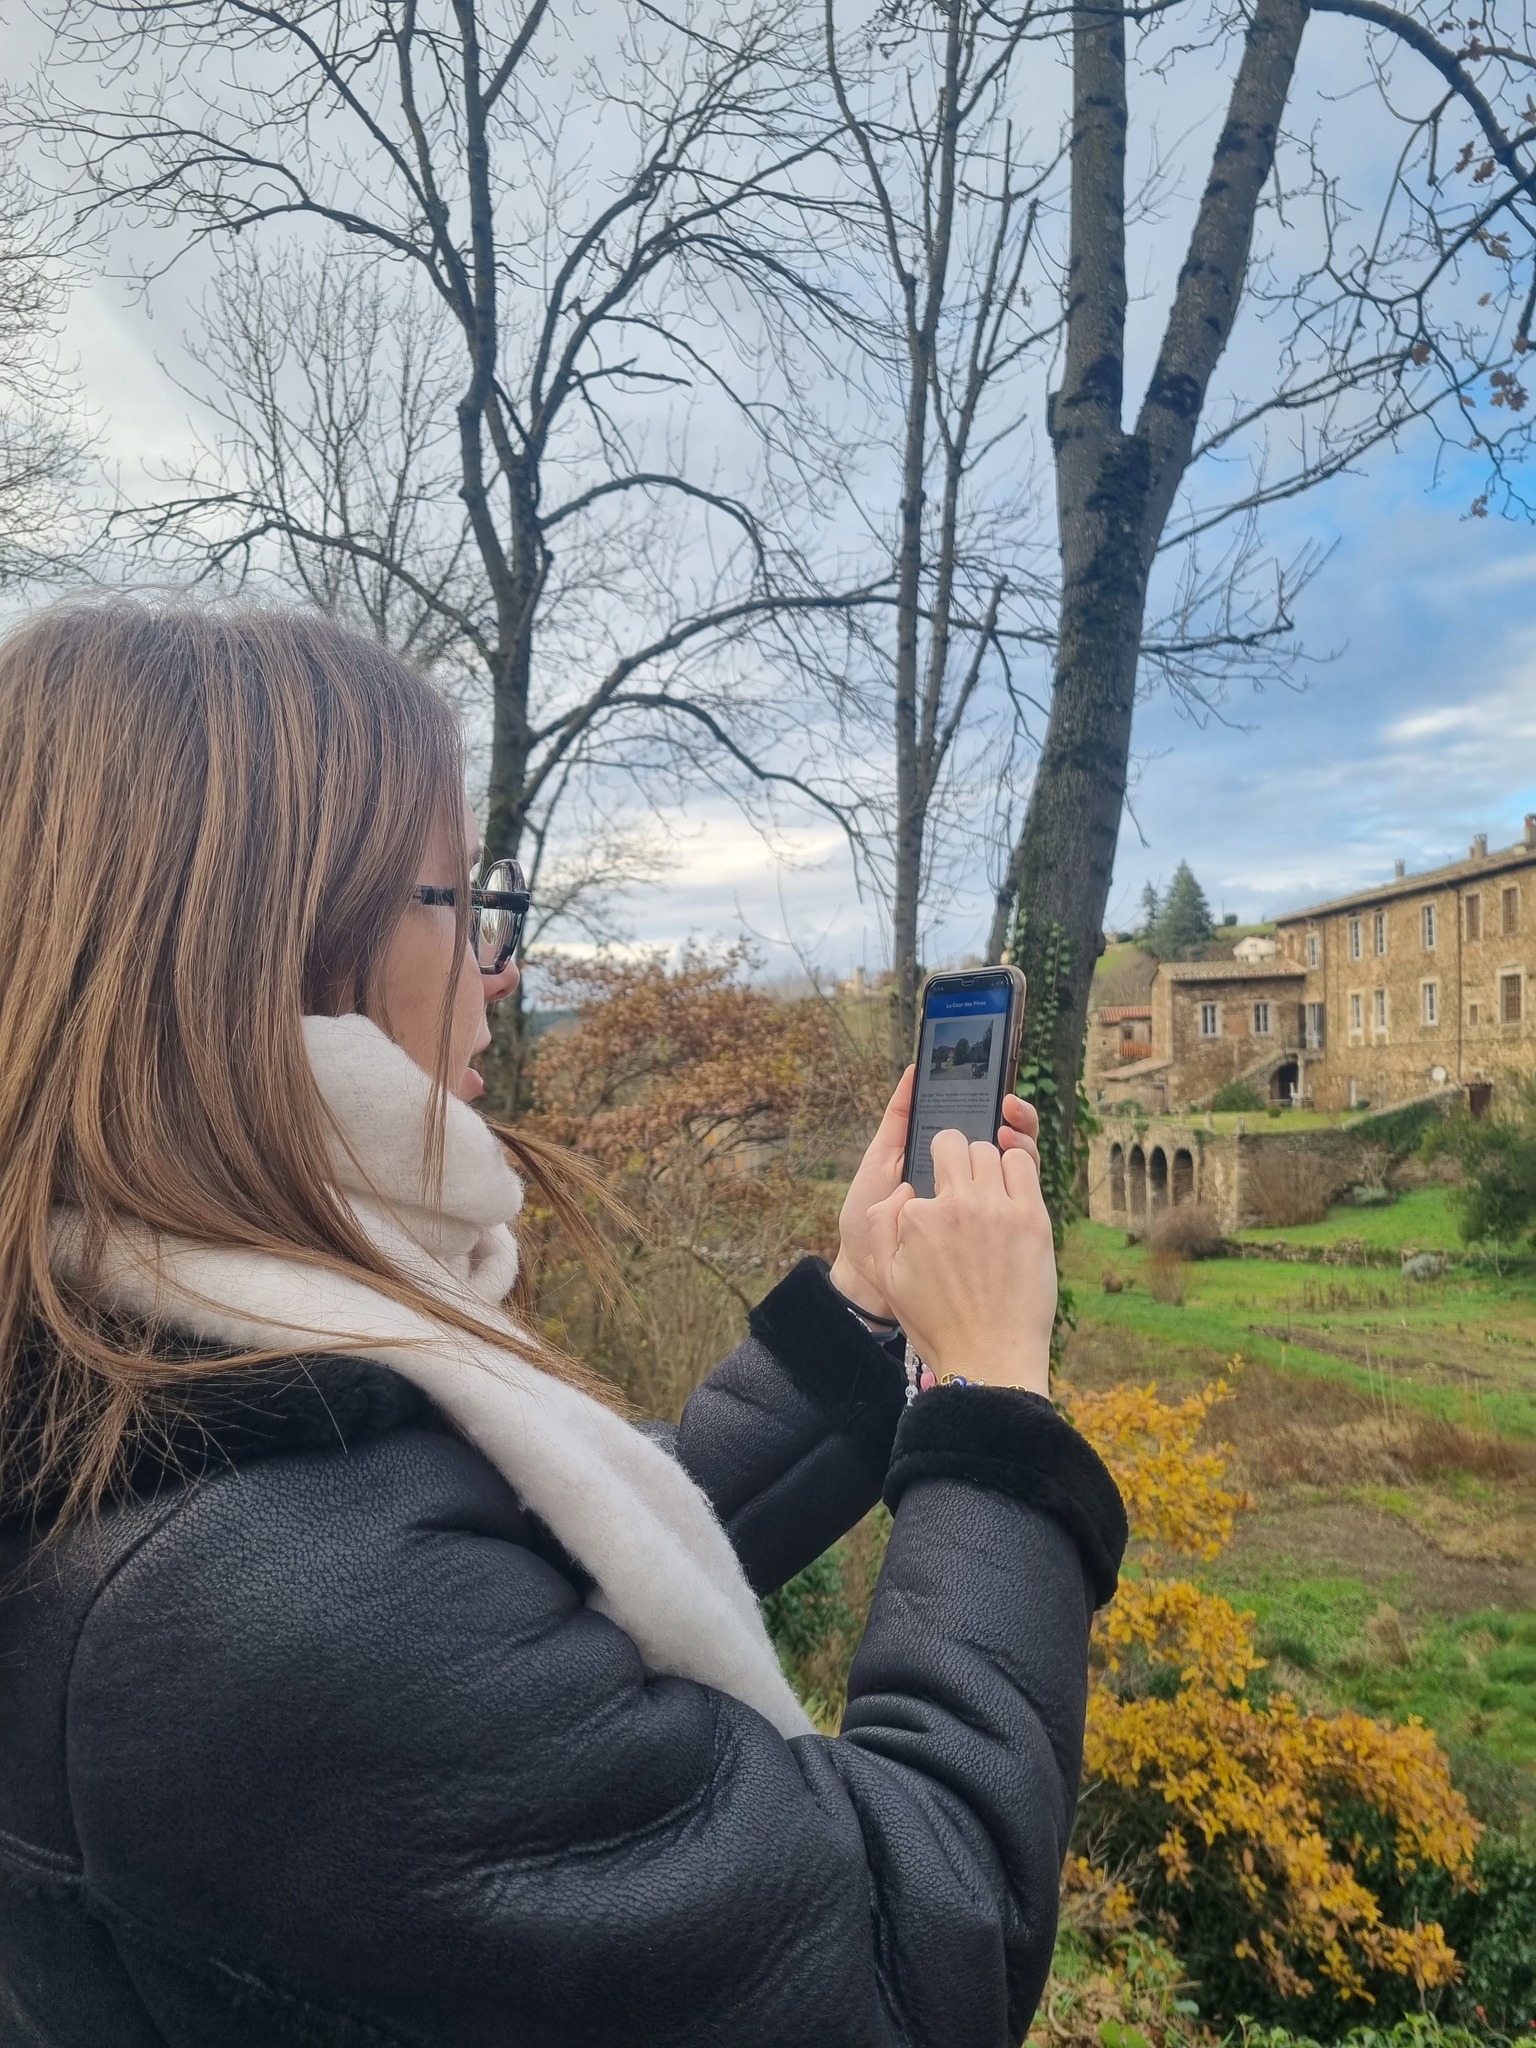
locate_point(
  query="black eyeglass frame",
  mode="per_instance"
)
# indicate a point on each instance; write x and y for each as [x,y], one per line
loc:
[516,899]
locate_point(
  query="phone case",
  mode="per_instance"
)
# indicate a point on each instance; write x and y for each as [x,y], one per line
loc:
[1008,1072]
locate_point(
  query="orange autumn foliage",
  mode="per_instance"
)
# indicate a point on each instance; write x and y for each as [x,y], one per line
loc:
[723,1117]
[689,1058]
[1246,1798]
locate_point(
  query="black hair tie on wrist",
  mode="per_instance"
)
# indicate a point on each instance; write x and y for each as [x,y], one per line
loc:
[865,1315]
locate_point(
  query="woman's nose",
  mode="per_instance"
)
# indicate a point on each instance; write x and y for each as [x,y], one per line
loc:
[499,986]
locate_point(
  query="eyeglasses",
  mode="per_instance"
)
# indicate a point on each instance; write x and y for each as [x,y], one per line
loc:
[498,910]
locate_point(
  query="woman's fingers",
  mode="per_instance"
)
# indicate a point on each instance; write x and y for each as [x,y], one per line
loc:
[885,1226]
[891,1136]
[1020,1169]
[897,1110]
[1015,1141]
[986,1165]
[1020,1120]
[951,1160]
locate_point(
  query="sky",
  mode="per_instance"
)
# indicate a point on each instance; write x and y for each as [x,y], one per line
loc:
[1413,729]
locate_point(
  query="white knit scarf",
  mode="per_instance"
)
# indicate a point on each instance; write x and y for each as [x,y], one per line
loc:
[664,1568]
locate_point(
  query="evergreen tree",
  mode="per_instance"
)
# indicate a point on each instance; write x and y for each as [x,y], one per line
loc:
[1151,909]
[1184,922]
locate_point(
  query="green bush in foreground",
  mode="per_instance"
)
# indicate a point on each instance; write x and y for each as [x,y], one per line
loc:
[1419,2030]
[1493,1931]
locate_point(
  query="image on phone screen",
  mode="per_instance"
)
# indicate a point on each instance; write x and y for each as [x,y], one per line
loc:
[959,1066]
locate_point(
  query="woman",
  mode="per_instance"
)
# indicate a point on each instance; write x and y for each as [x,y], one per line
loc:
[365,1677]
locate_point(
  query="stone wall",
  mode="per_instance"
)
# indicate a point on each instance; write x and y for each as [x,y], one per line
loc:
[1249,1179]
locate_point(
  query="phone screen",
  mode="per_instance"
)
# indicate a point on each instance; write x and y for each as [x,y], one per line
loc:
[959,1070]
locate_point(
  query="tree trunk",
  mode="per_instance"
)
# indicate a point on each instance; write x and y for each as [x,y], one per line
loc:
[910,795]
[1114,491]
[505,1065]
[1065,855]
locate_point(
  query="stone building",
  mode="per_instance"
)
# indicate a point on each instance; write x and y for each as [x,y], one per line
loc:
[1209,1022]
[1425,983]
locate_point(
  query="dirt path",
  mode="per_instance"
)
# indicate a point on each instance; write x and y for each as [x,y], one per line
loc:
[1309,1539]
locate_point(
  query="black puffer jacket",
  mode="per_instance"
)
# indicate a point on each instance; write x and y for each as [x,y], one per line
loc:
[318,1742]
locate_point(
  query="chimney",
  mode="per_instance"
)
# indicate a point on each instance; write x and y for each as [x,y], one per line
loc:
[1480,843]
[1530,829]
[1400,868]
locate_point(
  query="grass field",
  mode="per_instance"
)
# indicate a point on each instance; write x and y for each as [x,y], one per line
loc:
[1386,1433]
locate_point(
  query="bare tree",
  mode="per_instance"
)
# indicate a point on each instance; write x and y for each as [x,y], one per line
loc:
[515,380]
[42,435]
[953,202]
[1377,330]
[330,463]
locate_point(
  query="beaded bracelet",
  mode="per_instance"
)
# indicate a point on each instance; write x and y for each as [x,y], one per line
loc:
[922,1378]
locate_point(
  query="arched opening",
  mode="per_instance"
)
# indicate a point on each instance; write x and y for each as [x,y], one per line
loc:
[1157,1178]
[1285,1081]
[1138,1184]
[1117,1179]
[1183,1176]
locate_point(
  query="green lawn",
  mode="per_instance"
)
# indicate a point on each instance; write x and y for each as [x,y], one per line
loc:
[1472,1678]
[1422,1218]
[1390,1565]
[1463,1347]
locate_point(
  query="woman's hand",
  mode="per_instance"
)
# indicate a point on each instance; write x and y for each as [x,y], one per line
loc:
[972,1273]
[878,1178]
[879,1175]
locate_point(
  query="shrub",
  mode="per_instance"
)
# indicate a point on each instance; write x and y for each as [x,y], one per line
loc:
[1190,1231]
[1165,1278]
[1402,1130]
[1417,2030]
[1496,1198]
[715,1110]
[1277,1847]
[1239,1096]
[1493,1929]
[1118,1988]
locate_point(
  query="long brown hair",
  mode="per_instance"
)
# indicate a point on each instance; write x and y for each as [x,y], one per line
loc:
[210,822]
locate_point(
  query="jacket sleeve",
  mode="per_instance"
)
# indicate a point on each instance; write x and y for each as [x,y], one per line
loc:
[391,1782]
[791,1435]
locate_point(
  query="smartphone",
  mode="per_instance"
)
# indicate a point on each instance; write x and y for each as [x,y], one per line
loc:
[967,1057]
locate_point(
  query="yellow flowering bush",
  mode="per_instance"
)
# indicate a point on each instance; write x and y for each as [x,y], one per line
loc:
[1268,1843]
